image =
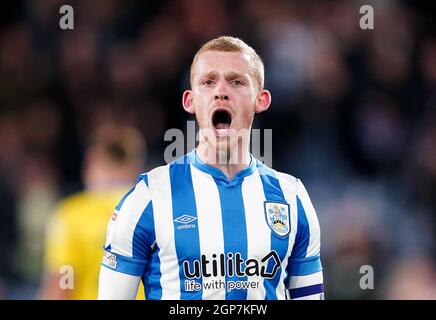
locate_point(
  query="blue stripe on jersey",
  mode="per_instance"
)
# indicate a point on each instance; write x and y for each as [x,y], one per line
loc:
[184,204]
[298,265]
[304,266]
[302,237]
[131,266]
[306,291]
[144,234]
[235,232]
[120,204]
[152,276]
[144,177]
[150,280]
[273,192]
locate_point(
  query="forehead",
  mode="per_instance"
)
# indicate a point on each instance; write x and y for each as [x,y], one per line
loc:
[222,61]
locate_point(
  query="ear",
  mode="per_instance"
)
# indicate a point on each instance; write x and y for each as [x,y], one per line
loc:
[263,101]
[188,101]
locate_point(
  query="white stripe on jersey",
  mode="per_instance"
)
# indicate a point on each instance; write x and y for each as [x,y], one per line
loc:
[258,232]
[120,232]
[288,186]
[287,295]
[160,188]
[305,281]
[210,226]
[314,230]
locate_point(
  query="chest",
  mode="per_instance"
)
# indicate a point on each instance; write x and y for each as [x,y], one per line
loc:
[238,229]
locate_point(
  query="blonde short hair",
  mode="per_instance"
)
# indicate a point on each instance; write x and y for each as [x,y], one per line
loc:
[232,44]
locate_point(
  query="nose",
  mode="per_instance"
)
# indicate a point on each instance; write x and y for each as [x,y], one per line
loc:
[221,92]
[221,96]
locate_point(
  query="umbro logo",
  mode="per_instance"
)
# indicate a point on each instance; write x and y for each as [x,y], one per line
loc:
[185,222]
[185,219]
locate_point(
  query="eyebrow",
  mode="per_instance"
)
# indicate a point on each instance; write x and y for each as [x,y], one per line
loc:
[228,75]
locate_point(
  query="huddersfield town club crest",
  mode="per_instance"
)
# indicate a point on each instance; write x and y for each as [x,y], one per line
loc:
[277,216]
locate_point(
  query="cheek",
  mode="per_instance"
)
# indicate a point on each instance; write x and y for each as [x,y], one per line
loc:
[247,107]
[244,118]
[247,119]
[249,99]
[201,113]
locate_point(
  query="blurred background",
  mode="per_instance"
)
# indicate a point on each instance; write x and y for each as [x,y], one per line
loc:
[353,115]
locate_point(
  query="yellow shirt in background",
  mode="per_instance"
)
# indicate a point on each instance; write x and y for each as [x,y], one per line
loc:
[75,237]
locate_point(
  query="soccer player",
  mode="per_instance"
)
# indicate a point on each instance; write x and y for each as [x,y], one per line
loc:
[76,232]
[217,223]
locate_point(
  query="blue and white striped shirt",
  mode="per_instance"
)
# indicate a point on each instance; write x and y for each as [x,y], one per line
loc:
[191,233]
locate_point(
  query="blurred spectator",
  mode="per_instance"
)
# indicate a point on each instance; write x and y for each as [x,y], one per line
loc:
[8,238]
[413,278]
[76,232]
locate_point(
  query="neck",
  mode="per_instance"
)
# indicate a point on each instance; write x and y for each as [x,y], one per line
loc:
[230,161]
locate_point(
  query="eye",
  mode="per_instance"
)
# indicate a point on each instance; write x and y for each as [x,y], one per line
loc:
[237,82]
[208,83]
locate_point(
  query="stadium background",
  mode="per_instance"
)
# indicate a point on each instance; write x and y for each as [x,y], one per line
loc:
[353,116]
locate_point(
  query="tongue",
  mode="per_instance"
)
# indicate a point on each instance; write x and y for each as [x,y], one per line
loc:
[222,125]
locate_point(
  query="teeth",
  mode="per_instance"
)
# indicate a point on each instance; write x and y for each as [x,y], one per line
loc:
[222,132]
[222,126]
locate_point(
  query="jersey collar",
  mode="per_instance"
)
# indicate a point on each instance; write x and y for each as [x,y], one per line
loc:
[217,174]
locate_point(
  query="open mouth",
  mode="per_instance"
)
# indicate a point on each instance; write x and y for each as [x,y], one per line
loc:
[221,120]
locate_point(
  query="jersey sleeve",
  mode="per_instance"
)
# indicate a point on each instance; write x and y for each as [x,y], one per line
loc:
[304,271]
[130,233]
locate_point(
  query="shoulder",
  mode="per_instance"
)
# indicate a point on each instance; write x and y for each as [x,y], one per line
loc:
[157,171]
[287,178]
[147,184]
[71,204]
[158,176]
[286,181]
[282,177]
[74,199]
[65,217]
